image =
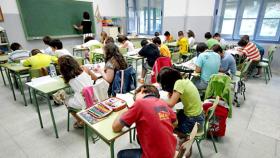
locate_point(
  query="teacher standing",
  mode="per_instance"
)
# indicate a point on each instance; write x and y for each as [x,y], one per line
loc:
[85,25]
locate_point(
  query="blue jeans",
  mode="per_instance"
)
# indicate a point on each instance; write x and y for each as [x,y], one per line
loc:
[130,153]
[185,123]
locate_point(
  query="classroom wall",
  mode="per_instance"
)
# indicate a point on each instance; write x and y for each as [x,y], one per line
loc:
[196,15]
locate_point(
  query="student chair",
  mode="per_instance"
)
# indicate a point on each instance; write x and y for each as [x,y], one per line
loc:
[238,79]
[186,146]
[94,57]
[266,62]
[202,133]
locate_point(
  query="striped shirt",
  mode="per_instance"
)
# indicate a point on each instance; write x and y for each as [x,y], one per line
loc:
[251,52]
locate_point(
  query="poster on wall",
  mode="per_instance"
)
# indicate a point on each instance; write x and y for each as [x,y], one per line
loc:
[1,15]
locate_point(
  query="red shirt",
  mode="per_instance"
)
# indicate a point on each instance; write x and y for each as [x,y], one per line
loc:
[154,127]
[251,52]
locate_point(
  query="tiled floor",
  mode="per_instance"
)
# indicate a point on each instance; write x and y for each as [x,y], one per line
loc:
[253,132]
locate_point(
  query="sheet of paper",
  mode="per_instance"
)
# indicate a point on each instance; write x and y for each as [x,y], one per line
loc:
[128,97]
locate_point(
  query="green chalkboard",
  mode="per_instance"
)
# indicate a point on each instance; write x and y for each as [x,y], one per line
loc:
[52,17]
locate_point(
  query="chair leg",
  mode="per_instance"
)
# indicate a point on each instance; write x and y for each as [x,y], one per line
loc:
[270,71]
[130,137]
[68,121]
[265,75]
[134,134]
[198,146]
[213,141]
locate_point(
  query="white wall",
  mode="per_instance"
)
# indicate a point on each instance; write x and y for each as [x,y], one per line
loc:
[112,8]
[174,8]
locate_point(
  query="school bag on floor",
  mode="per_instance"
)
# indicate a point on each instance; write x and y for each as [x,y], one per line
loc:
[218,123]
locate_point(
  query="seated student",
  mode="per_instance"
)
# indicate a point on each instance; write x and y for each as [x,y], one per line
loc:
[103,37]
[191,38]
[153,119]
[207,64]
[78,79]
[109,40]
[90,41]
[260,48]
[228,64]
[184,90]
[168,37]
[200,48]
[58,49]
[17,52]
[183,44]
[48,50]
[39,60]
[222,41]
[163,49]
[125,43]
[210,41]
[151,52]
[251,51]
[157,34]
[114,61]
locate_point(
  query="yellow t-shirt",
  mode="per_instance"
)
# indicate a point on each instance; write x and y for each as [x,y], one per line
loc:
[164,51]
[183,44]
[39,60]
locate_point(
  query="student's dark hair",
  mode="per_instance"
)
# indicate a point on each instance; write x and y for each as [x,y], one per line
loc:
[246,37]
[242,42]
[191,34]
[167,78]
[217,35]
[148,89]
[122,38]
[166,33]
[208,35]
[69,67]
[35,51]
[47,40]
[86,15]
[157,40]
[144,42]
[217,48]
[201,47]
[156,34]
[180,33]
[112,51]
[88,38]
[15,46]
[109,40]
[56,43]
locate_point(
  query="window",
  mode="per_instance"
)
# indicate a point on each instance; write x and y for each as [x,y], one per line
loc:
[144,17]
[260,19]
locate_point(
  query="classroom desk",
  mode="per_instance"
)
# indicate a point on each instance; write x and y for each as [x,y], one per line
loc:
[45,87]
[3,59]
[104,130]
[80,52]
[19,71]
[172,46]
[186,67]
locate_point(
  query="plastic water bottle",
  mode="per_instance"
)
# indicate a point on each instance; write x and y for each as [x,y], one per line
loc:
[52,70]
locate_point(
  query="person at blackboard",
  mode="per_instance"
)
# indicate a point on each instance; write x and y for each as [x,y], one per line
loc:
[57,48]
[85,25]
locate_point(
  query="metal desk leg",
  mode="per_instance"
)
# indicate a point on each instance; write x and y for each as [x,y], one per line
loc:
[37,107]
[51,111]
[21,88]
[10,83]
[136,66]
[112,149]
[86,139]
[3,76]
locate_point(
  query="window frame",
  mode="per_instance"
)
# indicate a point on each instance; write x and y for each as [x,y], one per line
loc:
[238,20]
[150,22]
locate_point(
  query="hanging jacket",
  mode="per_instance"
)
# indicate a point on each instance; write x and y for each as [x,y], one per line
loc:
[124,81]
[159,63]
[220,85]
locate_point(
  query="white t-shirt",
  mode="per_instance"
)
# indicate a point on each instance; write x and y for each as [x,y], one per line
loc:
[130,46]
[77,84]
[48,51]
[90,43]
[191,41]
[61,52]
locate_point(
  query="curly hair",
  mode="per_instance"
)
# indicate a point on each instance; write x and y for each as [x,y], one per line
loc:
[69,67]
[112,52]
[167,78]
